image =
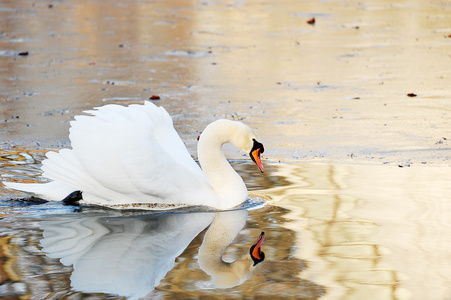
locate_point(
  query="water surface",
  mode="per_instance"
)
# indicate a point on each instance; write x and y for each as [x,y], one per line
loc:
[336,91]
[333,231]
[332,91]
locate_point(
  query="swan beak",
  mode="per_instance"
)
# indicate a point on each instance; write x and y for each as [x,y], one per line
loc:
[257,149]
[256,252]
[255,155]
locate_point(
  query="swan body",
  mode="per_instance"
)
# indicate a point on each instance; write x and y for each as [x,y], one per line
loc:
[133,155]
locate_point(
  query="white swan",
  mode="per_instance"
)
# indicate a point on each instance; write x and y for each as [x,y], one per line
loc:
[132,156]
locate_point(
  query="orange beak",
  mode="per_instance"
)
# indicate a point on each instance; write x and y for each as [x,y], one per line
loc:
[255,155]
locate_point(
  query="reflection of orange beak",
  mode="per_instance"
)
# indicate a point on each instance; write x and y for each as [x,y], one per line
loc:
[255,155]
[257,252]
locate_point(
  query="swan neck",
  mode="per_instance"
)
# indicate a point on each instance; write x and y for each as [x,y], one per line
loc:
[225,182]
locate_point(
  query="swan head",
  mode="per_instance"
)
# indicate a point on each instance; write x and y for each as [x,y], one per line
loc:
[256,151]
[237,133]
[242,269]
[247,140]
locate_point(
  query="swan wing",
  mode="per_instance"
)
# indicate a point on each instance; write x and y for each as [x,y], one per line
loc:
[126,155]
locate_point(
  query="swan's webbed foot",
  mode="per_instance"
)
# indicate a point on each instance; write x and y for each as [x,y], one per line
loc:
[73,198]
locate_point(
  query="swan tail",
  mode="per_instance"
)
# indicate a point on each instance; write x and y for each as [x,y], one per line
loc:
[52,191]
[63,166]
[60,167]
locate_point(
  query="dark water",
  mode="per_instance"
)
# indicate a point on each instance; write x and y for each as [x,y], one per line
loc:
[332,232]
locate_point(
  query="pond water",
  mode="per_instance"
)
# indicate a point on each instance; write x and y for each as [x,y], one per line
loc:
[353,111]
[333,231]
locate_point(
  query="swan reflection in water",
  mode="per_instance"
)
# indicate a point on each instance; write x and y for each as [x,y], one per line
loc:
[129,256]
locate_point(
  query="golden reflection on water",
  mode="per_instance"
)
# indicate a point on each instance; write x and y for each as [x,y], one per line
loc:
[369,230]
[20,164]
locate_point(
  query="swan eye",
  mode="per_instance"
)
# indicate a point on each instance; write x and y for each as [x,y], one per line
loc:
[258,145]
